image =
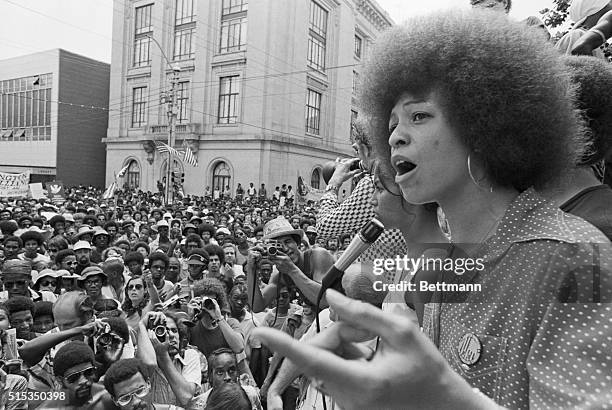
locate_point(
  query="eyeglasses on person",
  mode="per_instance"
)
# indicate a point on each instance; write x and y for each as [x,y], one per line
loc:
[88,373]
[127,398]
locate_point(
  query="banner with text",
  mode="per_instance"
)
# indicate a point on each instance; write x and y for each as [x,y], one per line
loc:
[14,185]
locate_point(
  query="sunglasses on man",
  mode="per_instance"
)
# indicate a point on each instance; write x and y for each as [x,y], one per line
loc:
[88,373]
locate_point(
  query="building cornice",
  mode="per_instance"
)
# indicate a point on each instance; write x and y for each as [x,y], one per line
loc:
[373,13]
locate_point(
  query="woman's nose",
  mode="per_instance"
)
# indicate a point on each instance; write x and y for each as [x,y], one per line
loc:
[397,138]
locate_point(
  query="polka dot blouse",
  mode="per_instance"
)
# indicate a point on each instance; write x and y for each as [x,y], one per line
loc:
[539,333]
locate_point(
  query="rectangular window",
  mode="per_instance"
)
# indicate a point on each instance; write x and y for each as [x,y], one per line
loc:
[143,30]
[25,108]
[228,100]
[355,82]
[233,26]
[182,101]
[233,35]
[358,44]
[139,107]
[313,112]
[317,36]
[234,6]
[184,30]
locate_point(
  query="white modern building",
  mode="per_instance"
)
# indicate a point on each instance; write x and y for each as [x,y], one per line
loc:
[53,117]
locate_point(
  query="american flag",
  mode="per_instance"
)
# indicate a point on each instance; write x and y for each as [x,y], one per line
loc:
[123,170]
[189,158]
[165,148]
[110,191]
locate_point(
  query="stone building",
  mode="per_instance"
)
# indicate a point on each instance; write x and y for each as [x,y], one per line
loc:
[264,89]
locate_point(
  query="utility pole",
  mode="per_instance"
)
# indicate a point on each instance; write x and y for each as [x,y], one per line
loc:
[169,98]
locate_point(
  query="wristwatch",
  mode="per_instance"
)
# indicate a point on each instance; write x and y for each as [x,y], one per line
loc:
[332,188]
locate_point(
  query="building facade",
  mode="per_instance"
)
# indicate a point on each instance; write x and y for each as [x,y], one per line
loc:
[53,117]
[264,90]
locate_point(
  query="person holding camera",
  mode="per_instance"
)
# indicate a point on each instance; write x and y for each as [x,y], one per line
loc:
[175,371]
[113,344]
[213,329]
[302,269]
[73,313]
[75,369]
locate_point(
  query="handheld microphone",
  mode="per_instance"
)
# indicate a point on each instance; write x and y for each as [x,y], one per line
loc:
[368,234]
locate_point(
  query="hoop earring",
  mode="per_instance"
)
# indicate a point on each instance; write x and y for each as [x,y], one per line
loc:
[469,167]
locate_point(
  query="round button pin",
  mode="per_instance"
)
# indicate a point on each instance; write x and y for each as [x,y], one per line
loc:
[469,349]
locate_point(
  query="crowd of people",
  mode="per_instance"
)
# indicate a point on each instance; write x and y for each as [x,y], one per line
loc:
[477,140]
[93,283]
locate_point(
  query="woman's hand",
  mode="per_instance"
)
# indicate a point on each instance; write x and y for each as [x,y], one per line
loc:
[406,372]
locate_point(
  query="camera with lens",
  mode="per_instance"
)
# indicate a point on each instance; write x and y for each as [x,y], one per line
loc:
[161,332]
[271,248]
[204,304]
[330,167]
[105,339]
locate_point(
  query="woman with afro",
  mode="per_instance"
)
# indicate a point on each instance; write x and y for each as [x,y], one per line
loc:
[475,112]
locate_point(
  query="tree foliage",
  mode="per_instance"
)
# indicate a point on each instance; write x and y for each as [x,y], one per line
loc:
[556,16]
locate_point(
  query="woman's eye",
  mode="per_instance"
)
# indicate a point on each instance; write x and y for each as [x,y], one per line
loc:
[392,128]
[419,116]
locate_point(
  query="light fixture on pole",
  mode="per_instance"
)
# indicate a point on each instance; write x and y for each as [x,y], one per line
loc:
[169,99]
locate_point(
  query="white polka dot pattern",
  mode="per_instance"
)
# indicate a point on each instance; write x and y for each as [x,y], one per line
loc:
[546,342]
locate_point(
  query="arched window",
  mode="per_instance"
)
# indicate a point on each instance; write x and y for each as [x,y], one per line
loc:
[132,176]
[177,166]
[221,176]
[315,178]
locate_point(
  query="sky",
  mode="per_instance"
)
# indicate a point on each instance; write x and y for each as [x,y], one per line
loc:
[85,26]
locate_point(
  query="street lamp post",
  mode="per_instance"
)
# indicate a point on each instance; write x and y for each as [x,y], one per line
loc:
[169,99]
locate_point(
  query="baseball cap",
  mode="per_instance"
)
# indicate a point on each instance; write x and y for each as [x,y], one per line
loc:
[196,259]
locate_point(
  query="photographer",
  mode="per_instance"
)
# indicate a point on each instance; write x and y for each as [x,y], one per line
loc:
[304,269]
[213,330]
[160,343]
[73,313]
[112,345]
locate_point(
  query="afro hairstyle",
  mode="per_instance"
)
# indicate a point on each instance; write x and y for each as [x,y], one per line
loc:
[210,286]
[70,355]
[19,304]
[123,370]
[593,78]
[504,91]
[133,256]
[32,235]
[43,308]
